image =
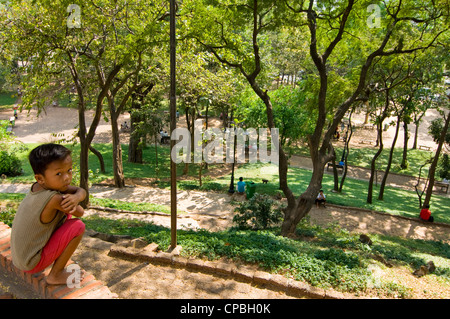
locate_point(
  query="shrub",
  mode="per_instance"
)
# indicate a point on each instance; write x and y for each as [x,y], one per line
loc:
[444,167]
[7,215]
[10,164]
[257,213]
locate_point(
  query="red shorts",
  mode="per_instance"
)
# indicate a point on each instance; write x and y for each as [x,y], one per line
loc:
[55,246]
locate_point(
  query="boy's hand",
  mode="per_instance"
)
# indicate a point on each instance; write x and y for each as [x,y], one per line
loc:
[69,203]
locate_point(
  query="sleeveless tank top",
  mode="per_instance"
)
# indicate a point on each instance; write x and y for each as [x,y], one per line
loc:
[28,234]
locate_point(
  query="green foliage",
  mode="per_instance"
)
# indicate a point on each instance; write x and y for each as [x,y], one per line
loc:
[444,167]
[264,248]
[10,165]
[435,130]
[129,206]
[7,100]
[8,208]
[326,257]
[7,216]
[292,118]
[257,213]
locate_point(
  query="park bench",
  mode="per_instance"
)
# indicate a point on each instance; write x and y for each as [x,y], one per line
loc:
[165,140]
[424,147]
[338,166]
[442,185]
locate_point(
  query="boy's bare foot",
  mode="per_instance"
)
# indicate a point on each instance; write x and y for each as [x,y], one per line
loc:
[61,278]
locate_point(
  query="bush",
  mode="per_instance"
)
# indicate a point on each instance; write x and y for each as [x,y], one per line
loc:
[257,213]
[444,167]
[10,164]
[7,216]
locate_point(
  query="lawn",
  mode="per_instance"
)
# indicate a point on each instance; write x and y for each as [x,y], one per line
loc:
[396,201]
[7,100]
[362,157]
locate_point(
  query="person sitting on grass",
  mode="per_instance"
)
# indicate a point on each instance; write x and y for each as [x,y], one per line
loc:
[241,186]
[321,199]
[425,214]
[43,230]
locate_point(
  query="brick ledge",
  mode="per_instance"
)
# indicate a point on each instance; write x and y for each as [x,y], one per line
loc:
[90,288]
[241,273]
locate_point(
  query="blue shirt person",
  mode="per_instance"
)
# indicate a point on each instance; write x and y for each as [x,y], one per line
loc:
[241,186]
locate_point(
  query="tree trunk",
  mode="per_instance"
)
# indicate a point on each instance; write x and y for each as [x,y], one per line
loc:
[84,171]
[404,163]
[416,136]
[294,214]
[346,151]
[374,159]
[435,162]
[119,180]
[135,145]
[389,163]
[335,176]
[380,121]
[100,158]
[137,139]
[416,133]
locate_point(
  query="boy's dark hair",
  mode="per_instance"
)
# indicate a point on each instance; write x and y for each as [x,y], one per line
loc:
[240,178]
[44,154]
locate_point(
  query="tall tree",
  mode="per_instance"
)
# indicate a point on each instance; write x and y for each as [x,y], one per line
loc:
[236,29]
[97,46]
[443,138]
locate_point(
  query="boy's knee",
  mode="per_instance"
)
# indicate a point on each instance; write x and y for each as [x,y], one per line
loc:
[79,226]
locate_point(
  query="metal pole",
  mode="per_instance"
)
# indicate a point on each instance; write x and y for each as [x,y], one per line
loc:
[173,123]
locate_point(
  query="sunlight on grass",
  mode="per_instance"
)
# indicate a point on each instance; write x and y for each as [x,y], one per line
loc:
[7,100]
[396,201]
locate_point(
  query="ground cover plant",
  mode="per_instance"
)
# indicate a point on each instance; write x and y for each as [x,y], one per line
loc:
[323,257]
[7,100]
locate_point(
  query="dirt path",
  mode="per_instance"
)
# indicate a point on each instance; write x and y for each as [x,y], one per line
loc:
[214,211]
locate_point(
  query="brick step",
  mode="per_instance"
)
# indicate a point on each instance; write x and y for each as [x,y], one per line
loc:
[89,287]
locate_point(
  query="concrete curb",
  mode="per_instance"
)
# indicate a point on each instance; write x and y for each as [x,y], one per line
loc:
[90,288]
[243,273]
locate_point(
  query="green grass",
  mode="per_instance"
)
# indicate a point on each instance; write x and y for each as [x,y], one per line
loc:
[131,170]
[130,206]
[396,201]
[362,157]
[7,100]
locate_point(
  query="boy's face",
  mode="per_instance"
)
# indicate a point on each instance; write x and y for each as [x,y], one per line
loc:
[57,176]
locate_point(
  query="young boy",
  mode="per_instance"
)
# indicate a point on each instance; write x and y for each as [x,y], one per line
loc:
[43,230]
